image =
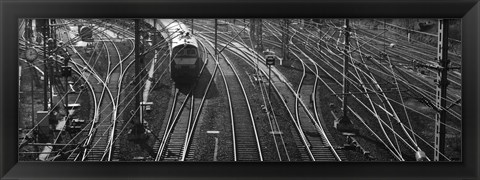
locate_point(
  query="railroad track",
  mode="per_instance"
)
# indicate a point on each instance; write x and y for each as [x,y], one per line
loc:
[403,50]
[100,141]
[246,144]
[331,77]
[319,56]
[427,93]
[322,149]
[309,139]
[102,131]
[115,80]
[79,69]
[177,136]
[339,66]
[245,138]
[405,140]
[384,69]
[174,138]
[299,128]
[180,124]
[61,89]
[306,91]
[407,52]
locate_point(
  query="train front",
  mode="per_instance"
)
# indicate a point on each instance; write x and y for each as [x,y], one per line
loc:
[185,58]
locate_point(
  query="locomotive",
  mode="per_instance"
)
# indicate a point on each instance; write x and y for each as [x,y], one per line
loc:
[185,61]
[184,51]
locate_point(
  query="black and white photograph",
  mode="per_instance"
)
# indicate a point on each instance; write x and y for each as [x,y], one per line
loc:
[240,90]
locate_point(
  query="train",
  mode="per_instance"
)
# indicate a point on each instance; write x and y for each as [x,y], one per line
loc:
[185,56]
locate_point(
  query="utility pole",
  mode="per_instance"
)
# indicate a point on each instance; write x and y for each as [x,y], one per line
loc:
[45,64]
[28,31]
[66,72]
[216,27]
[138,63]
[344,121]
[192,25]
[253,40]
[54,30]
[285,42]
[318,29]
[283,39]
[49,61]
[138,134]
[259,34]
[51,47]
[253,31]
[384,38]
[441,90]
[345,70]
[32,92]
[270,61]
[154,39]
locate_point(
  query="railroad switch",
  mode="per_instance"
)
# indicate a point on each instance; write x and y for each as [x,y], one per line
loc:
[342,124]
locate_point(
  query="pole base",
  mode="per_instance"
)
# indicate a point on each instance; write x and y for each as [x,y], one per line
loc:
[138,134]
[344,125]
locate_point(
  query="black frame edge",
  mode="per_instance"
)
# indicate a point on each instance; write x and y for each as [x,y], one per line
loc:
[10,169]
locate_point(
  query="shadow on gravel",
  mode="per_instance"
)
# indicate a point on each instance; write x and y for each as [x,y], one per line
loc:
[185,84]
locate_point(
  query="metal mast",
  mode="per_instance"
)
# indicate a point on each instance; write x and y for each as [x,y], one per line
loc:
[441,90]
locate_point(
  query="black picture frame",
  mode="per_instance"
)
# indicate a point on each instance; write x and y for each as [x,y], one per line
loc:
[11,11]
